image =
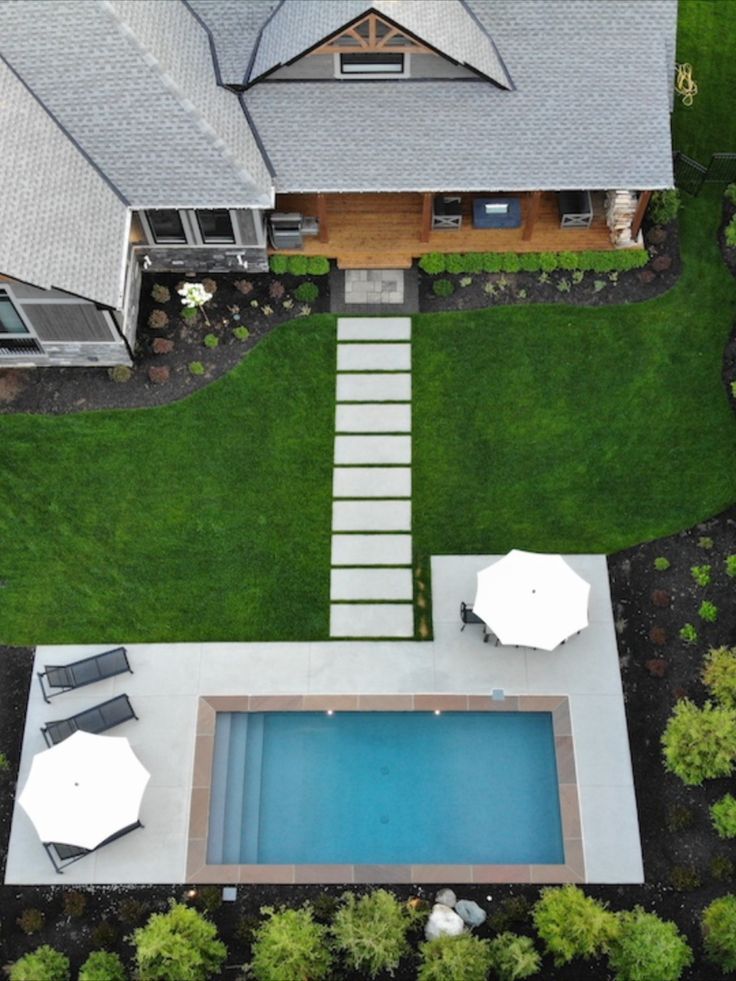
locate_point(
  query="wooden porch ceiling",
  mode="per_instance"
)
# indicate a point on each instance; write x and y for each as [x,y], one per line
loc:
[384,230]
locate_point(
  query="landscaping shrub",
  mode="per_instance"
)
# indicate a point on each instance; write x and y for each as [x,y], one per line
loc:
[306,292]
[371,932]
[466,281]
[101,965]
[443,287]
[706,542]
[700,744]
[510,262]
[317,265]
[31,920]
[514,957]
[688,633]
[104,935]
[701,574]
[241,333]
[297,265]
[569,260]
[211,340]
[290,944]
[529,261]
[432,263]
[492,261]
[455,263]
[708,611]
[179,944]
[474,262]
[548,261]
[160,293]
[4,762]
[196,368]
[208,899]
[646,948]
[722,868]
[730,233]
[731,566]
[188,313]
[463,958]
[158,319]
[723,816]
[278,264]
[661,564]
[132,911]
[664,205]
[572,924]
[679,818]
[42,964]
[245,286]
[719,675]
[730,193]
[75,903]
[276,289]
[684,878]
[718,924]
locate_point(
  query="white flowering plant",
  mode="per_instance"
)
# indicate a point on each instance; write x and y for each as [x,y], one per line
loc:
[194,296]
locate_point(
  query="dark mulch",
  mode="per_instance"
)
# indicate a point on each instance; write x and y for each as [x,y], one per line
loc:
[662,799]
[61,390]
[593,290]
[16,664]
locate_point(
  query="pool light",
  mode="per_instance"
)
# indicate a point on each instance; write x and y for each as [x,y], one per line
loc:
[437,712]
[330,712]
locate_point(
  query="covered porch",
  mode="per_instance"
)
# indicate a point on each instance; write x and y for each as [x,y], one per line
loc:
[391,229]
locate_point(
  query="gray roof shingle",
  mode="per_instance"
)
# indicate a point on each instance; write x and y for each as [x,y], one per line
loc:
[133,82]
[235,26]
[62,225]
[298,25]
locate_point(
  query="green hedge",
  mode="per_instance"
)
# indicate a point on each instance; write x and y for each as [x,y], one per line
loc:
[435,263]
[299,265]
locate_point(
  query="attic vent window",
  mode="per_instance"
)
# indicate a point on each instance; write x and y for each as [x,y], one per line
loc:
[372,34]
[371,64]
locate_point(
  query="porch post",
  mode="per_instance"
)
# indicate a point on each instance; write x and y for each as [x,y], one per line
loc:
[641,210]
[322,218]
[426,217]
[532,215]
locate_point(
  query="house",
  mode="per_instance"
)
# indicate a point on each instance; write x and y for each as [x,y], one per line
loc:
[176,134]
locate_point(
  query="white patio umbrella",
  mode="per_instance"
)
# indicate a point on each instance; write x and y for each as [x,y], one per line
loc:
[532,600]
[84,790]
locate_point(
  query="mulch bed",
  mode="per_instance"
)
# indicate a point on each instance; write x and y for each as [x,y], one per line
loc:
[593,290]
[160,378]
[657,669]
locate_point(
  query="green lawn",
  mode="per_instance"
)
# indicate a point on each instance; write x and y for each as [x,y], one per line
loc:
[205,520]
[562,429]
[706,39]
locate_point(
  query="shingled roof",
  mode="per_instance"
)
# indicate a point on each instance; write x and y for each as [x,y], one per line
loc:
[299,25]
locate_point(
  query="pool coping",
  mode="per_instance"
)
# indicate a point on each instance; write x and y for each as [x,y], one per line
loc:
[199,871]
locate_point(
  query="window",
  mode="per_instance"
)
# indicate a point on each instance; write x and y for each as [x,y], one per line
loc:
[372,64]
[166,226]
[216,225]
[15,338]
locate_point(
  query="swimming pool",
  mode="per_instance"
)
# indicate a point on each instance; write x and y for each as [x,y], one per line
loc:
[371,788]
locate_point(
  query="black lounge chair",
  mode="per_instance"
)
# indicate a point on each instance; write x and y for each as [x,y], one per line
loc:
[467,616]
[95,720]
[62,855]
[67,677]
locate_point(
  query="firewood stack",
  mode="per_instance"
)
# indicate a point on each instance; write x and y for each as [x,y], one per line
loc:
[620,210]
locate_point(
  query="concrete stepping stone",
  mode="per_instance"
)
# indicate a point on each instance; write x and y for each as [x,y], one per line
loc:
[374,388]
[374,328]
[371,550]
[372,449]
[371,515]
[373,357]
[371,482]
[371,418]
[371,620]
[371,584]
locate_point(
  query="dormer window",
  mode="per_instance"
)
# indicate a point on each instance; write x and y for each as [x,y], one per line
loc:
[374,63]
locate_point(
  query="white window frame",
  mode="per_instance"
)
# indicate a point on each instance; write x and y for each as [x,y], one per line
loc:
[31,333]
[148,227]
[339,73]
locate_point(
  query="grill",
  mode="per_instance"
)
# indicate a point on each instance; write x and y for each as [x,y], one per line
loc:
[287,230]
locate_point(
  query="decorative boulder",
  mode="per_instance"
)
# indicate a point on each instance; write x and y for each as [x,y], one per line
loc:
[446,897]
[470,912]
[443,922]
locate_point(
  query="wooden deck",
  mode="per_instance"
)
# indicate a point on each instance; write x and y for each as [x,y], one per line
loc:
[384,230]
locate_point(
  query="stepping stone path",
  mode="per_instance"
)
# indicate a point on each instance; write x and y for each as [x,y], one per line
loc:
[371,582]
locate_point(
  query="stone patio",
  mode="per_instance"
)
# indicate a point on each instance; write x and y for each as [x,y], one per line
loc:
[170,679]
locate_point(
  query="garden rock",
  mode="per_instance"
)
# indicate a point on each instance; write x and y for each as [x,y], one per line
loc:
[656,666]
[470,912]
[162,345]
[158,374]
[446,897]
[443,922]
[662,263]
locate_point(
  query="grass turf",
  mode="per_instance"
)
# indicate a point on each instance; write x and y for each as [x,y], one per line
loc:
[208,519]
[564,429]
[706,30]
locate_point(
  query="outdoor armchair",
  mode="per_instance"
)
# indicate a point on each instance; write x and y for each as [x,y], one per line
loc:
[95,720]
[67,677]
[467,616]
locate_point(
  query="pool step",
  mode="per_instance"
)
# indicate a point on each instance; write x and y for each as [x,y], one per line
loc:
[250,822]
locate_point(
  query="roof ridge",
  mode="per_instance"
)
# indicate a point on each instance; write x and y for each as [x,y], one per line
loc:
[169,82]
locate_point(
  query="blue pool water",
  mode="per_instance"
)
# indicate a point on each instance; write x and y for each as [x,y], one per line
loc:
[385,788]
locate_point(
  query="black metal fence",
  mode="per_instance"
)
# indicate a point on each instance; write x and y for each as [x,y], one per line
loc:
[690,175]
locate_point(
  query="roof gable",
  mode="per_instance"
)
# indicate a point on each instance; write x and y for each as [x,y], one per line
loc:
[447,27]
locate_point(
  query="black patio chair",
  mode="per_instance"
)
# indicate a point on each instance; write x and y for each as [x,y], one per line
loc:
[67,677]
[467,616]
[62,855]
[95,720]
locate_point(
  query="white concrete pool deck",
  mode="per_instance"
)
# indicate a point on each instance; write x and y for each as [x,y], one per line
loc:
[170,678]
